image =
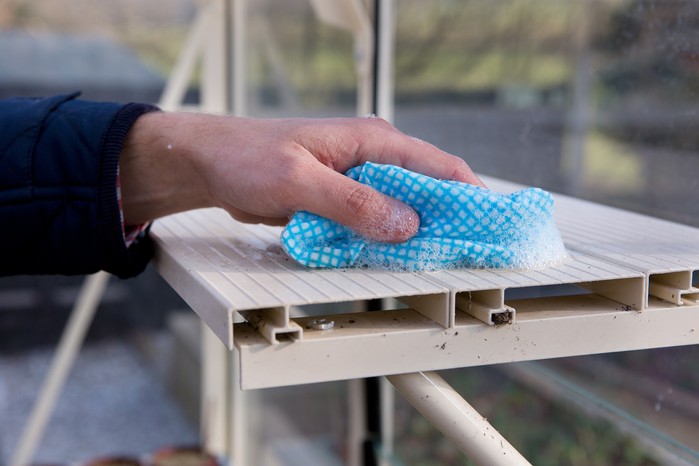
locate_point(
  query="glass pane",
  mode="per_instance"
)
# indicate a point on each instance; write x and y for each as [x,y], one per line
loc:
[298,65]
[119,50]
[305,424]
[592,98]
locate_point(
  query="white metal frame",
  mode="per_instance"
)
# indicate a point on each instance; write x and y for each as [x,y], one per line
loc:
[625,299]
[452,319]
[456,419]
[240,283]
[640,292]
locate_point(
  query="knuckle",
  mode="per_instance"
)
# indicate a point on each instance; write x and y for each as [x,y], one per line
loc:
[358,201]
[383,126]
[461,169]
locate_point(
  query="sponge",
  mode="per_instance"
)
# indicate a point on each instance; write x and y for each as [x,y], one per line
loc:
[461,226]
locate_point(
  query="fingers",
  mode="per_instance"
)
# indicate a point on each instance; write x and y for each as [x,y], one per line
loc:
[257,219]
[363,209]
[311,156]
[383,143]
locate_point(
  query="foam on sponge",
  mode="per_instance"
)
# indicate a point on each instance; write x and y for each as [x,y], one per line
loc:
[461,226]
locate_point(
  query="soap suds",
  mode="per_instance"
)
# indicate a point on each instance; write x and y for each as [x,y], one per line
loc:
[392,219]
[460,225]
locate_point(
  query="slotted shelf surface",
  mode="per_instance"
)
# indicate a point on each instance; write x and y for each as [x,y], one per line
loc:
[230,273]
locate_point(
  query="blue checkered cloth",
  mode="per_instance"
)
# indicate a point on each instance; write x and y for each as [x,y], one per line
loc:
[461,225]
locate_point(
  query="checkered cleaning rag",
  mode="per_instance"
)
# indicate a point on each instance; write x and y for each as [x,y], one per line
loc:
[461,225]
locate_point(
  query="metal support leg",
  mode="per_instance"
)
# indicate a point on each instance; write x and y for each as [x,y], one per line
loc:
[454,417]
[71,341]
[214,394]
[356,431]
[387,399]
[372,437]
[243,436]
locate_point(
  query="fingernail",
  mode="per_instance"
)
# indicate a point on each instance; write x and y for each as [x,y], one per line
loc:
[402,223]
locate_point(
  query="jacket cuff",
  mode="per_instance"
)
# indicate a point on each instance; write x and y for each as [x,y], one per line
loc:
[119,259]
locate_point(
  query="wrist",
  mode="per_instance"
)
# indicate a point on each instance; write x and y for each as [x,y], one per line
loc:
[158,169]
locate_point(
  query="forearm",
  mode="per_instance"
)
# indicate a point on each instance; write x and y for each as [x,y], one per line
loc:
[265,170]
[59,199]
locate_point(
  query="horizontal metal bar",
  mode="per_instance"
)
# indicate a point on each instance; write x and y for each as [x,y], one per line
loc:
[401,341]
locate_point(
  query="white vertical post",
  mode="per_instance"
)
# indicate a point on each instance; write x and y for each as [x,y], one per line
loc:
[214,393]
[243,435]
[364,49]
[240,440]
[215,96]
[456,419]
[387,400]
[239,35]
[356,408]
[385,51]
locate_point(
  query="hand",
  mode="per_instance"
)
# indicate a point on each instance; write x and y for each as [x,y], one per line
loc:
[264,170]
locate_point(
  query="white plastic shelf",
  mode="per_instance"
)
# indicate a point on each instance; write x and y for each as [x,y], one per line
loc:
[221,267]
[667,253]
[240,282]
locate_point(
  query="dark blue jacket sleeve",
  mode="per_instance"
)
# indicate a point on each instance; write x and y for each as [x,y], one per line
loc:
[59,212]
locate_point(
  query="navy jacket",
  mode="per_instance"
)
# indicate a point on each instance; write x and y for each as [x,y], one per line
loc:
[59,212]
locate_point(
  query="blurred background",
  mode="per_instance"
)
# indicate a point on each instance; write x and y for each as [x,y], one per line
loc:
[593,98]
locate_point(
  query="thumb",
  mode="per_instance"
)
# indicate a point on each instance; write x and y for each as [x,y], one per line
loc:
[360,207]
